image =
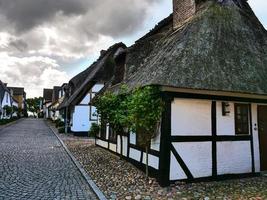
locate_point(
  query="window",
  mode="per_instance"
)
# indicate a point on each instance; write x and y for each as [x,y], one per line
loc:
[242,119]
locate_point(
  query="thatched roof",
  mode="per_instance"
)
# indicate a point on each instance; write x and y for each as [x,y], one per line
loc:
[17,91]
[47,95]
[55,94]
[3,90]
[223,47]
[100,71]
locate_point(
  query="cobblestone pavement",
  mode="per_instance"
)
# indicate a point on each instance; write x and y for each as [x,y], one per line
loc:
[33,165]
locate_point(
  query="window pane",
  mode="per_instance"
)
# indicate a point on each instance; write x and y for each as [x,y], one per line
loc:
[241,119]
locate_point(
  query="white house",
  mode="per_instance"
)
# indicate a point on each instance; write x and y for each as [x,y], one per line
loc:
[47,101]
[209,60]
[79,114]
[5,100]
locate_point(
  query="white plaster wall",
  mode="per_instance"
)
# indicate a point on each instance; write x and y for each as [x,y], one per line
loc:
[113,147]
[225,124]
[97,87]
[125,145]
[153,161]
[234,157]
[176,172]
[102,143]
[6,100]
[107,132]
[80,119]
[155,143]
[86,100]
[197,156]
[254,110]
[135,154]
[132,138]
[47,114]
[15,104]
[191,117]
[118,144]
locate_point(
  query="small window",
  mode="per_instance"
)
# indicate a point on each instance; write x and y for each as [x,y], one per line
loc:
[242,119]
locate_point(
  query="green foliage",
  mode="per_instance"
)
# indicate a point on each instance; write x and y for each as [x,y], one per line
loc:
[59,123]
[94,130]
[112,109]
[139,111]
[145,108]
[7,121]
[61,130]
[33,105]
[8,110]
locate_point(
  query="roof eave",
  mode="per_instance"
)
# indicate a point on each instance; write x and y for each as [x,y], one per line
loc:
[214,92]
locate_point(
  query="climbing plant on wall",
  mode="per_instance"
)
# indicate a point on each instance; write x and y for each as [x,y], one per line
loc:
[138,111]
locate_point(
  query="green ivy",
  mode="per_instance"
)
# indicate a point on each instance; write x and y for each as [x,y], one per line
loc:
[138,111]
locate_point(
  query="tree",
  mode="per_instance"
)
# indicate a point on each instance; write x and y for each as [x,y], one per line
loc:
[33,105]
[8,111]
[139,111]
[145,109]
[112,110]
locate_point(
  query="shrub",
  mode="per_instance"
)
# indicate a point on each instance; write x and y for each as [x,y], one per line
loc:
[59,123]
[94,130]
[61,130]
[138,111]
[6,121]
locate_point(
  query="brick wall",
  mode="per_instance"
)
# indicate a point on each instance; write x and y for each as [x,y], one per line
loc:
[182,10]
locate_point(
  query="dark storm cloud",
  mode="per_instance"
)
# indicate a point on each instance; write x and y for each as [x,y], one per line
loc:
[26,14]
[107,17]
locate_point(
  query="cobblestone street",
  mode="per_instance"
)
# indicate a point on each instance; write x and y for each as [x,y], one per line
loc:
[34,165]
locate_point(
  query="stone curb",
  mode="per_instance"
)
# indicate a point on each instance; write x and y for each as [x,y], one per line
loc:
[88,179]
[10,124]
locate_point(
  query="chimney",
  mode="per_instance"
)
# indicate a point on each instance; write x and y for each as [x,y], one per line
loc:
[182,11]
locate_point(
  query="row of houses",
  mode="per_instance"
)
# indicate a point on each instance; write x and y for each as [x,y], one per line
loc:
[12,101]
[209,59]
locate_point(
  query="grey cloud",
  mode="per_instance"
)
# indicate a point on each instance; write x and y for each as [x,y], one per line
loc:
[108,17]
[26,14]
[19,44]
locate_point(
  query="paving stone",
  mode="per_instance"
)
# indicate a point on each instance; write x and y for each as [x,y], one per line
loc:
[34,165]
[114,175]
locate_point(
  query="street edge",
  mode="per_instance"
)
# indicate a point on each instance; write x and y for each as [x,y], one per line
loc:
[88,179]
[10,124]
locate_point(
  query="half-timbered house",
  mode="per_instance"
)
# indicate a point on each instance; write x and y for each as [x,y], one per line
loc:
[79,114]
[47,101]
[5,100]
[209,58]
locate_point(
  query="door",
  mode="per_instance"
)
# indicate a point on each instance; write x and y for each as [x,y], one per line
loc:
[262,123]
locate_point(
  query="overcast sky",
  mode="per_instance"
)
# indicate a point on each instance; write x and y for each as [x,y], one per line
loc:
[46,42]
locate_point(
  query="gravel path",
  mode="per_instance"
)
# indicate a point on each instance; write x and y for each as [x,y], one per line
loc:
[120,180]
[34,165]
